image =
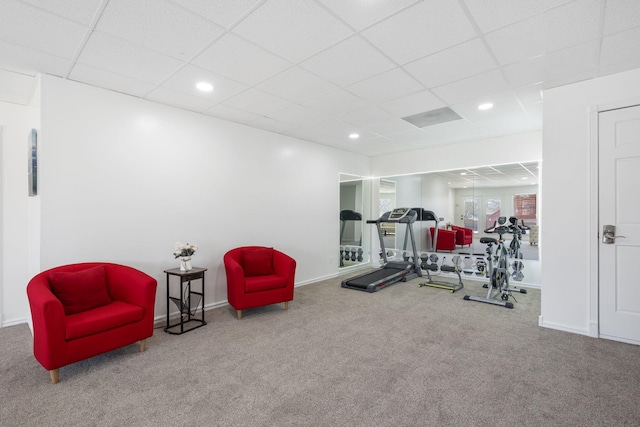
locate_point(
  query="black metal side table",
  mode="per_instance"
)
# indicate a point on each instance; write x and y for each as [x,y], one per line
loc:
[188,301]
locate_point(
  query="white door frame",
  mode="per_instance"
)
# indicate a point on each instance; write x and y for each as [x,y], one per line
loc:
[594,224]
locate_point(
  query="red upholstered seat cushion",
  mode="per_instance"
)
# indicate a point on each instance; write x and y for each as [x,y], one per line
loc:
[80,290]
[258,262]
[264,283]
[103,318]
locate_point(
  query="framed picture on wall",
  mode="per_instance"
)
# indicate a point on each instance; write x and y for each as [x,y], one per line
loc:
[33,163]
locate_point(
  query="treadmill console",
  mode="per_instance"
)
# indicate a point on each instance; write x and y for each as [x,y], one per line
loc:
[398,213]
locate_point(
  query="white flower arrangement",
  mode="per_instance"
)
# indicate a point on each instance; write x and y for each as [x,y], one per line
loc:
[183,250]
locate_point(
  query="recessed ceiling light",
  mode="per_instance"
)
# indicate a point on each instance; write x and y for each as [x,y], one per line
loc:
[485,106]
[354,136]
[204,86]
[463,173]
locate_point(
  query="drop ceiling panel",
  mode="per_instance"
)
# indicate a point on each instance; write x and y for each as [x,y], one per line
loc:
[620,47]
[415,103]
[222,12]
[414,136]
[185,79]
[271,125]
[460,130]
[299,115]
[385,87]
[421,30]
[236,58]
[329,130]
[293,29]
[297,85]
[336,103]
[502,103]
[26,60]
[80,11]
[555,67]
[159,25]
[494,14]
[96,76]
[258,102]
[390,127]
[178,99]
[619,67]
[621,15]
[348,62]
[530,94]
[34,28]
[361,14]
[509,121]
[123,57]
[232,114]
[556,29]
[371,147]
[456,63]
[478,87]
[366,116]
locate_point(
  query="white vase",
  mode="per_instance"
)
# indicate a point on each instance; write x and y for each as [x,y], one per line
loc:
[185,263]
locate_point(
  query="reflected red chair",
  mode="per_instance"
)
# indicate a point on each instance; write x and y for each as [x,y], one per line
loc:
[83,310]
[464,236]
[258,276]
[446,239]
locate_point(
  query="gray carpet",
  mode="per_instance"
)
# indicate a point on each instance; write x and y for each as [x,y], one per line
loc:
[404,356]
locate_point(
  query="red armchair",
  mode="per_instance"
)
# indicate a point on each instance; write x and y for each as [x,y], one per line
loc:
[258,276]
[83,310]
[464,236]
[446,239]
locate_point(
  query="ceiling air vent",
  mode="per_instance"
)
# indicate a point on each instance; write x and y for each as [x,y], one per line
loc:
[433,117]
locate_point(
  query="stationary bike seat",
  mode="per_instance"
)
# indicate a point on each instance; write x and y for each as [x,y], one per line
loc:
[486,240]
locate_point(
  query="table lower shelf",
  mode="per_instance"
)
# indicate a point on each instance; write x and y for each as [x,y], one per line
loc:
[185,326]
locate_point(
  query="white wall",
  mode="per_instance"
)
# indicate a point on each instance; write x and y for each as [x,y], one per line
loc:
[569,299]
[14,273]
[493,151]
[435,197]
[122,179]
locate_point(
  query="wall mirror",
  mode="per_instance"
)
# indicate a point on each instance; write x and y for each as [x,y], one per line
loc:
[354,211]
[472,199]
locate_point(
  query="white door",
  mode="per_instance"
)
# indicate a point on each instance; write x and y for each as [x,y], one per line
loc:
[619,205]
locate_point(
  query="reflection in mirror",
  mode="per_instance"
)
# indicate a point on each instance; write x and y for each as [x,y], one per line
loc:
[468,201]
[353,240]
[387,203]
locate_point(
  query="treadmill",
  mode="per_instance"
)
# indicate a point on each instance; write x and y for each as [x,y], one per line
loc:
[391,271]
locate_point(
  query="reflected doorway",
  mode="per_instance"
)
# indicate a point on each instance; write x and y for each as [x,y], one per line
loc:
[353,241]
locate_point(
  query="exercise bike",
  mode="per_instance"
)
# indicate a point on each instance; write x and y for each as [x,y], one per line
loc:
[514,247]
[498,264]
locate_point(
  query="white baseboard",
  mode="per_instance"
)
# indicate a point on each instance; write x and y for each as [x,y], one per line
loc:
[594,330]
[13,322]
[559,327]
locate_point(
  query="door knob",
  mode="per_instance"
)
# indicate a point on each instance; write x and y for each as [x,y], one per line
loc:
[609,234]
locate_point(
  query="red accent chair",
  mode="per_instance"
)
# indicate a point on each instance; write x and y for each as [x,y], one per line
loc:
[83,310]
[446,239]
[464,236]
[258,276]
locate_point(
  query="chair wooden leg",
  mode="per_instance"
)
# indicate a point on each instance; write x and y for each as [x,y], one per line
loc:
[55,376]
[239,314]
[286,305]
[143,345]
